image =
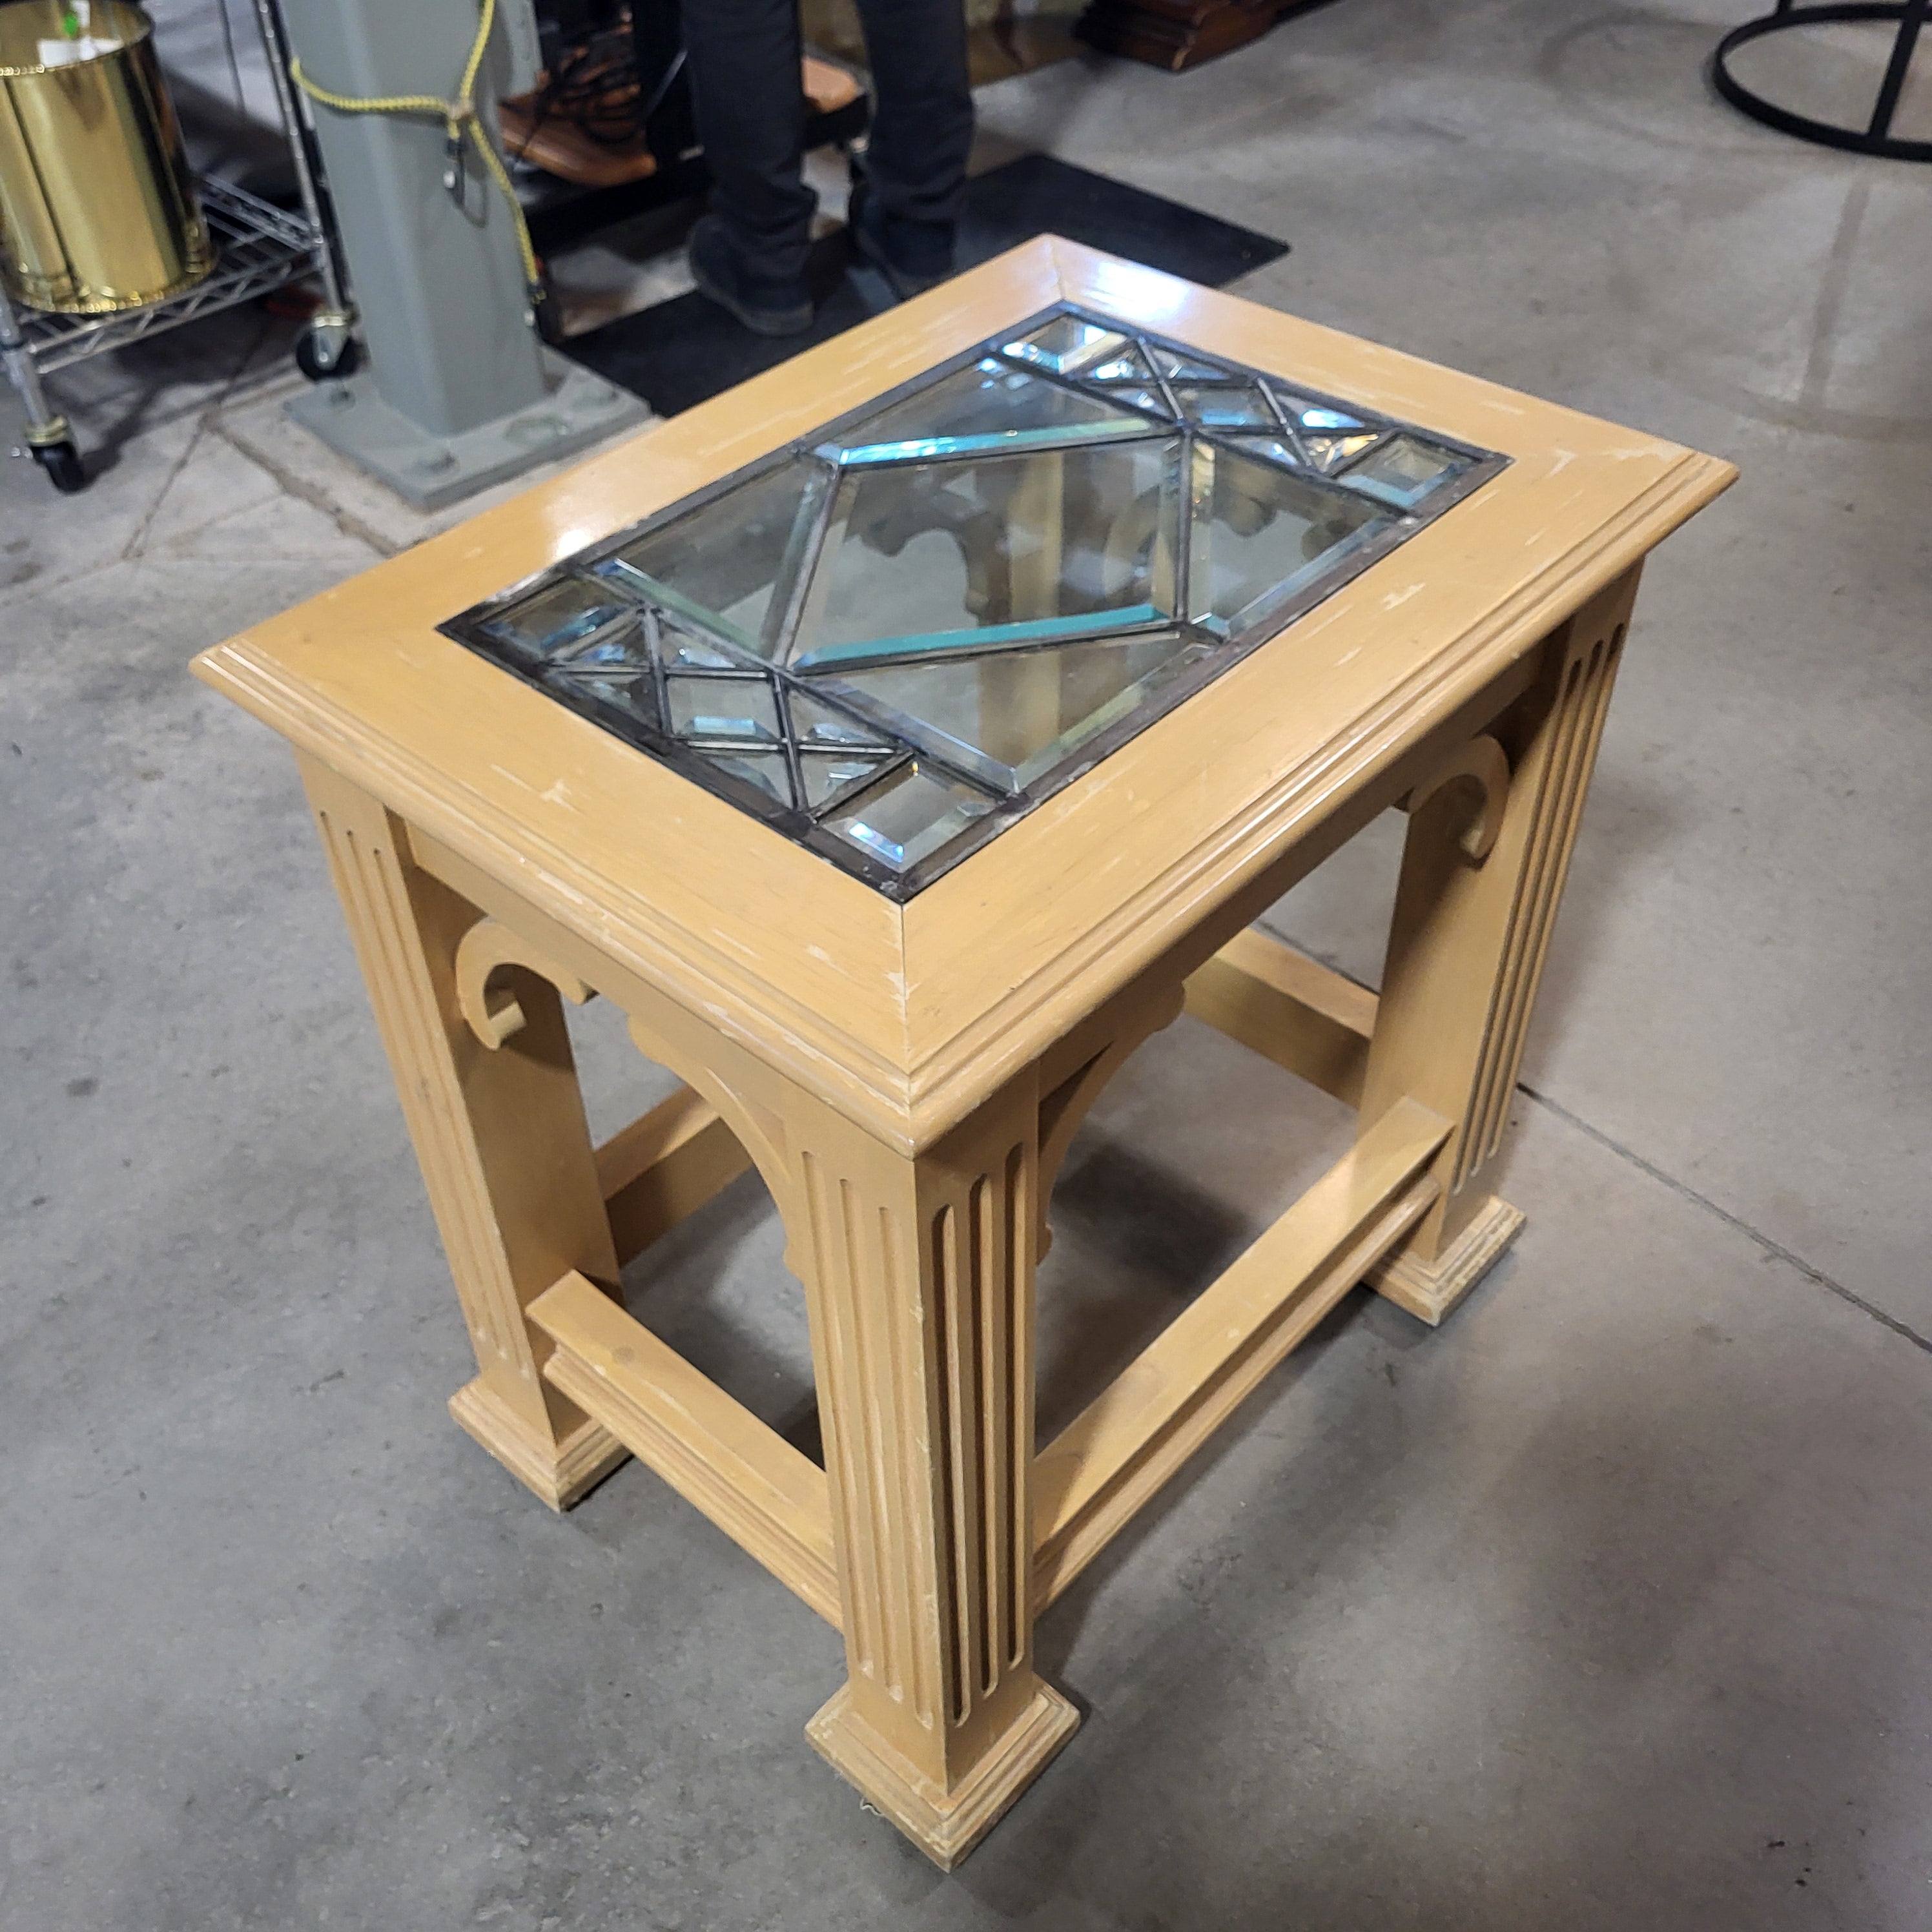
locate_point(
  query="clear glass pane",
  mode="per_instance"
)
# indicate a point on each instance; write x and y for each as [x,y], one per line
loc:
[559,615]
[909,816]
[765,771]
[991,399]
[621,647]
[723,562]
[636,696]
[1311,415]
[1258,531]
[1066,345]
[1125,365]
[826,774]
[1151,399]
[1190,368]
[970,553]
[1011,718]
[1001,562]
[1330,453]
[613,666]
[1405,470]
[1270,449]
[818,726]
[1227,406]
[734,709]
[680,649]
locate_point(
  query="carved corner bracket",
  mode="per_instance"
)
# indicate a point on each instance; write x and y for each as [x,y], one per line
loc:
[1483,763]
[484,951]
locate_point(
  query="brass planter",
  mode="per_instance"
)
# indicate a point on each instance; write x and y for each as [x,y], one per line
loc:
[97,206]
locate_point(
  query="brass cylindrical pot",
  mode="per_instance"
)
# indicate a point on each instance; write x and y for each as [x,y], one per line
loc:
[97,206]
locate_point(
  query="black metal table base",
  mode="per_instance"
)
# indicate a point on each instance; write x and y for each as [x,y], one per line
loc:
[1876,136]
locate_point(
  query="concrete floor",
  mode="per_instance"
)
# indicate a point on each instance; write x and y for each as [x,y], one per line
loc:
[1606,1606]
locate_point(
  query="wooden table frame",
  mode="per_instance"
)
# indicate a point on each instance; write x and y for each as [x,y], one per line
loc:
[906,1079]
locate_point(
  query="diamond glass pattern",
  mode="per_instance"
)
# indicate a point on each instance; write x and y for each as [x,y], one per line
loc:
[766,772]
[1224,405]
[559,615]
[1188,368]
[909,816]
[726,710]
[828,776]
[816,727]
[1000,549]
[1067,344]
[1330,453]
[1274,449]
[1403,470]
[1124,365]
[680,649]
[612,668]
[895,637]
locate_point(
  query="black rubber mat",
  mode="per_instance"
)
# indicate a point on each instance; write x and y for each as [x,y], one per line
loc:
[684,350]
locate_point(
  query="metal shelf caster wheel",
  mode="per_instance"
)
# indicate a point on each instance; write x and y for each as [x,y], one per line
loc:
[325,351]
[62,461]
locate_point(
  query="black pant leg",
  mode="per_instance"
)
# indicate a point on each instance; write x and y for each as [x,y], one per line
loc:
[744,59]
[922,116]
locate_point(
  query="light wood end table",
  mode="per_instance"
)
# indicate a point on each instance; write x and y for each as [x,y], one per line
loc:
[899,740]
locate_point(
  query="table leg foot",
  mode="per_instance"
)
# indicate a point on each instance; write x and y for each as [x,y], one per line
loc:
[1428,1290]
[945,1825]
[558,1474]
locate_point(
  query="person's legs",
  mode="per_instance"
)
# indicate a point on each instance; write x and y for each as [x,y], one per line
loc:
[749,253]
[903,212]
[922,117]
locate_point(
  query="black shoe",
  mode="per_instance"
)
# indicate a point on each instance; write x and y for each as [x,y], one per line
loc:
[766,307]
[913,256]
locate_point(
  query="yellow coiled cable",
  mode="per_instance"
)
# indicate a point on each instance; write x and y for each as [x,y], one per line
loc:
[460,119]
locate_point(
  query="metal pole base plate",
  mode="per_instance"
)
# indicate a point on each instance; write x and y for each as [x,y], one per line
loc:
[430,471]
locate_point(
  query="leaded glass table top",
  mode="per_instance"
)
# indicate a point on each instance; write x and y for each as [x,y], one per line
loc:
[893,638]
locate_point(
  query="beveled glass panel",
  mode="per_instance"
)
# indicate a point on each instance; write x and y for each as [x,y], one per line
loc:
[819,726]
[765,771]
[1405,470]
[991,399]
[731,708]
[559,615]
[616,649]
[828,774]
[1270,449]
[1191,368]
[634,695]
[1149,399]
[968,554]
[910,815]
[1336,451]
[1010,717]
[1311,415]
[612,666]
[1124,365]
[1260,533]
[723,561]
[1228,405]
[1067,344]
[681,650]
[952,604]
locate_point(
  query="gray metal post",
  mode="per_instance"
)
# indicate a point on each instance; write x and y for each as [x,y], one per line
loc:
[438,289]
[460,392]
